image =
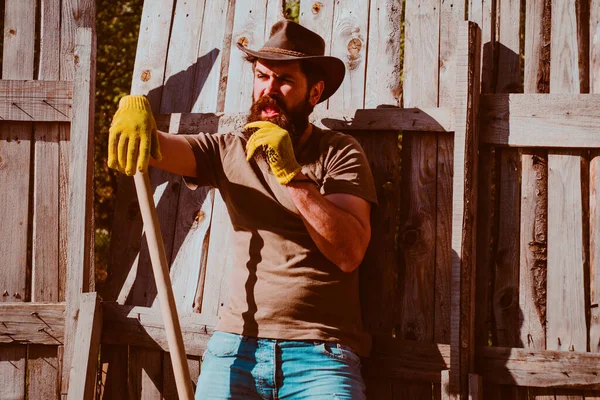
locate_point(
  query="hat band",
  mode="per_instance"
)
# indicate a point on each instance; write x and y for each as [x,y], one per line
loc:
[282,51]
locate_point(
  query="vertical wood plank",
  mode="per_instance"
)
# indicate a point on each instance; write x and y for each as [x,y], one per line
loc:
[214,51]
[145,374]
[421,60]
[349,44]
[383,59]
[248,28]
[451,13]
[114,375]
[317,15]
[80,211]
[169,389]
[87,345]
[419,180]
[464,203]
[594,191]
[566,309]
[475,387]
[188,264]
[183,58]
[15,153]
[483,12]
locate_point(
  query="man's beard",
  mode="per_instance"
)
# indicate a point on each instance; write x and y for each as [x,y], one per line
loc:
[294,121]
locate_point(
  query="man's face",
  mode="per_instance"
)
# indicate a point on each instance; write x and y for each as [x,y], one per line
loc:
[281,95]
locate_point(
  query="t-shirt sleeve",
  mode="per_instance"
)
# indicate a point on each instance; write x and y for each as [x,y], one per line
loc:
[347,170]
[208,151]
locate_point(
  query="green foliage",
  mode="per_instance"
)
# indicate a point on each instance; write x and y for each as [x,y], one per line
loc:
[292,10]
[117,27]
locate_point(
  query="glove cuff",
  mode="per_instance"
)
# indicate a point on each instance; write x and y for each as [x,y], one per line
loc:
[135,102]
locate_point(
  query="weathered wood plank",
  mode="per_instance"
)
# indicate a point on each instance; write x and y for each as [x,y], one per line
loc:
[188,264]
[213,52]
[484,14]
[383,58]
[81,178]
[42,366]
[274,14]
[379,276]
[428,119]
[145,375]
[45,269]
[421,54]
[36,323]
[39,100]
[317,15]
[595,186]
[114,363]
[12,371]
[505,301]
[143,326]
[417,236]
[87,345]
[506,287]
[451,13]
[541,120]
[248,28]
[475,387]
[183,58]
[15,142]
[349,44]
[215,292]
[43,372]
[533,269]
[540,368]
[566,329]
[464,202]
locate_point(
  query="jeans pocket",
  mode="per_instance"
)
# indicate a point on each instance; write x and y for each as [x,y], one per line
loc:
[340,352]
[223,344]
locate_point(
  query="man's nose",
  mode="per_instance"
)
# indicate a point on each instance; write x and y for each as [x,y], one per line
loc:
[272,86]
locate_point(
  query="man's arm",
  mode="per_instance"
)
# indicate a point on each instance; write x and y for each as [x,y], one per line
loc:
[177,155]
[339,224]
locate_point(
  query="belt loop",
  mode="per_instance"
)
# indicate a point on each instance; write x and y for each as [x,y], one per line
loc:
[339,346]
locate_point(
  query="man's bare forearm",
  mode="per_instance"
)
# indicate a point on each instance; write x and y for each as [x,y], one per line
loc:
[337,233]
[177,155]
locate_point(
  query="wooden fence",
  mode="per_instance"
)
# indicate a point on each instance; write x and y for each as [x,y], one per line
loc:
[46,137]
[481,276]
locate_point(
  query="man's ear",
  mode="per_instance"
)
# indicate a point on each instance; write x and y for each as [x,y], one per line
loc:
[316,91]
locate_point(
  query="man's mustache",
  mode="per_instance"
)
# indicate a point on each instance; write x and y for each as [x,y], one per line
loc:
[269,101]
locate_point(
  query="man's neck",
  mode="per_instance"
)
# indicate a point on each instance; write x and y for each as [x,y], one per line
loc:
[304,138]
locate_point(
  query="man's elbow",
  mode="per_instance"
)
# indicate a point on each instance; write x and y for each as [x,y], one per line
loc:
[352,259]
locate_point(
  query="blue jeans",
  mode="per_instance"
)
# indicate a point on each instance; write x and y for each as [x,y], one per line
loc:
[242,367]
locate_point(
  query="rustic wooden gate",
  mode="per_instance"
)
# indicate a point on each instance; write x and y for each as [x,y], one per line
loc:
[46,137]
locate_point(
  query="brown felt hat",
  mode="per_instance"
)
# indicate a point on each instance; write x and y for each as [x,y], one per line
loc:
[290,41]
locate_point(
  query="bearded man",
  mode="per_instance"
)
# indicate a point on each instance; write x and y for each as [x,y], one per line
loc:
[299,199]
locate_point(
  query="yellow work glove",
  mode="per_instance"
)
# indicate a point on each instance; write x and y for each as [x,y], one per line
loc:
[133,137]
[278,147]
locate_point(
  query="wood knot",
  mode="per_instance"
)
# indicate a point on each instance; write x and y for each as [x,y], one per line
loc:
[133,210]
[12,32]
[243,41]
[410,237]
[145,77]
[354,47]
[316,7]
[199,217]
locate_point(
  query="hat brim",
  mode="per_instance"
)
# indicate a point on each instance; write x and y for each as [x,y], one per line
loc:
[333,68]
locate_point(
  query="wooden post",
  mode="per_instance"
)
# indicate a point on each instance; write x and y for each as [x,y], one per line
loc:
[84,364]
[475,387]
[464,207]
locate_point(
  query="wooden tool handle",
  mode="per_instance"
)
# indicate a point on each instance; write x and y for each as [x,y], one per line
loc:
[163,285]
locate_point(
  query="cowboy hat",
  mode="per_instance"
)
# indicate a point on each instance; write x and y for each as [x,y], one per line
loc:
[290,41]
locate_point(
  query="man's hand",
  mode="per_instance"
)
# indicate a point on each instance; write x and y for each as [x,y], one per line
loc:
[278,147]
[133,136]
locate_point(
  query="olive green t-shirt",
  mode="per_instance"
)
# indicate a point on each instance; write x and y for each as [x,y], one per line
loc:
[281,285]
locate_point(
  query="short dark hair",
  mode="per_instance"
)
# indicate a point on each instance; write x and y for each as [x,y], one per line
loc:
[313,72]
